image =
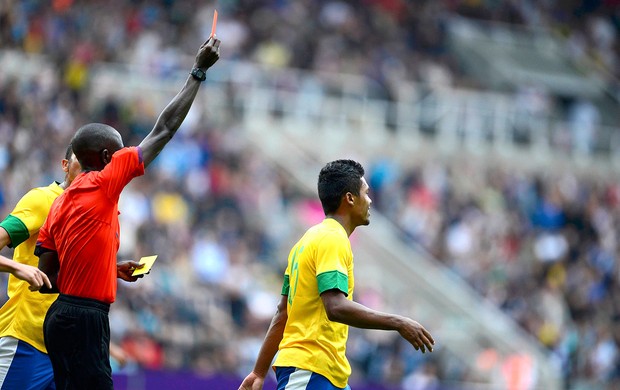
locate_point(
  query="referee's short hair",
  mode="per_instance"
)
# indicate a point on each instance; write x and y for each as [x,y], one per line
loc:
[93,138]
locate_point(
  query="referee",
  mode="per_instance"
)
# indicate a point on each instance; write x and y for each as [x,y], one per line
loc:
[78,243]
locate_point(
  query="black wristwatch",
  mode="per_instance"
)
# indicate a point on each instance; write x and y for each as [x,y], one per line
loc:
[198,74]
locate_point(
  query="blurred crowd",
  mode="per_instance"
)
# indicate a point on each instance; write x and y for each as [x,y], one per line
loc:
[542,247]
[374,37]
[387,41]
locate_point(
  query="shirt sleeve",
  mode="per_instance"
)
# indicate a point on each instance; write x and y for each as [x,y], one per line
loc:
[333,259]
[26,218]
[286,285]
[126,164]
[45,242]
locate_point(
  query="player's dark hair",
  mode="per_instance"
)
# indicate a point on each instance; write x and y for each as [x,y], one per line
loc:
[335,180]
[68,152]
[89,140]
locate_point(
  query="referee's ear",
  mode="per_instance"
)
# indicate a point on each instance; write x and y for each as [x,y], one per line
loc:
[105,156]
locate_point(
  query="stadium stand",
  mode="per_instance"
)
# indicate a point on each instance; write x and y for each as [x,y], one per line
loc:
[521,221]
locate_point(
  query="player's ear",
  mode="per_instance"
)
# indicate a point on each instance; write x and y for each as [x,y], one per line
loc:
[65,165]
[349,198]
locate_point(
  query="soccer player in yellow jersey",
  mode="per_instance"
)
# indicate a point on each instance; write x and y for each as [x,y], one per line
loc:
[24,363]
[310,328]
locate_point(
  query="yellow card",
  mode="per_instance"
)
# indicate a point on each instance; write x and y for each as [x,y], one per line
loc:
[148,263]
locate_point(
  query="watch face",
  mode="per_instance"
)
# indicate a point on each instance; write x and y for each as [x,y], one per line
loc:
[199,74]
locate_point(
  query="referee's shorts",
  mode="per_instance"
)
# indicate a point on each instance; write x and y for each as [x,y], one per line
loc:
[24,367]
[77,338]
[291,378]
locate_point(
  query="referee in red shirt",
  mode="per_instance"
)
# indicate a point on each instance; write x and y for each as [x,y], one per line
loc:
[78,243]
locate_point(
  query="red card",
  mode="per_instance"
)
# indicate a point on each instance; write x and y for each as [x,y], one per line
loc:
[214,24]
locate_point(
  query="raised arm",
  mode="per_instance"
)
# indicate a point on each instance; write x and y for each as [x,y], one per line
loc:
[255,380]
[173,115]
[340,309]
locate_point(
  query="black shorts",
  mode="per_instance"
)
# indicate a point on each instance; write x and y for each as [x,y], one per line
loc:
[77,338]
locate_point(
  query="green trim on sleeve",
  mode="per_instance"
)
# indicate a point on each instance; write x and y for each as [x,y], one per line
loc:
[333,280]
[17,230]
[286,286]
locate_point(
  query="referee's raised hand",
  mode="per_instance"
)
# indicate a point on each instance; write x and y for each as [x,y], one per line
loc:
[208,54]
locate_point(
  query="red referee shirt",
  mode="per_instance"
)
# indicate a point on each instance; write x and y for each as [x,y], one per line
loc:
[83,228]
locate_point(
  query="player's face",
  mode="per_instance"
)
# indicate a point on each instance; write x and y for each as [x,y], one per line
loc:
[362,204]
[72,167]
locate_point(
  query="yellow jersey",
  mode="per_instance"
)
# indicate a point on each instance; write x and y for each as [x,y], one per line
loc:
[321,260]
[22,315]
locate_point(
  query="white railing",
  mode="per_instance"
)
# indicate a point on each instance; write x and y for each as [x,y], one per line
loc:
[444,118]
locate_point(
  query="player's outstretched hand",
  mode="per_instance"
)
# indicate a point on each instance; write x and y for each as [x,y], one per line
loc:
[415,333]
[117,352]
[208,54]
[125,268]
[34,276]
[252,382]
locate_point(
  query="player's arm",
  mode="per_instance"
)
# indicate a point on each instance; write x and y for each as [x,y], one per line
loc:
[35,278]
[5,239]
[32,275]
[118,354]
[255,380]
[173,115]
[50,265]
[340,309]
